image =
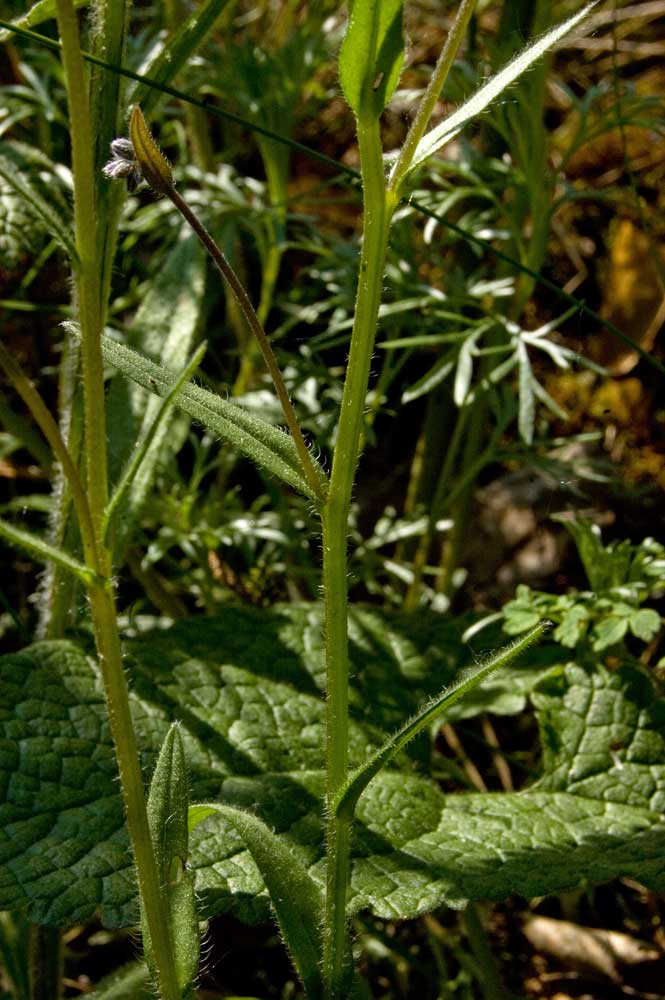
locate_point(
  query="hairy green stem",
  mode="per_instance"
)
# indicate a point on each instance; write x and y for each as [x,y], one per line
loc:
[376,221]
[88,286]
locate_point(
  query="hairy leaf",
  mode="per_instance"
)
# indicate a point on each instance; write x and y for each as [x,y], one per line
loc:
[42,206]
[370,61]
[246,689]
[296,899]
[267,446]
[475,105]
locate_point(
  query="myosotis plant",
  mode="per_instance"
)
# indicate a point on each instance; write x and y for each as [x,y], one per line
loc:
[314,923]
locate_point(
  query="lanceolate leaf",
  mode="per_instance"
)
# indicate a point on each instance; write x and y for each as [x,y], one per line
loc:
[370,61]
[269,447]
[246,688]
[347,799]
[41,550]
[527,414]
[454,123]
[296,899]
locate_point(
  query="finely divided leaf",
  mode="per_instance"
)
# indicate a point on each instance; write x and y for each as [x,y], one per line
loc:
[454,123]
[370,61]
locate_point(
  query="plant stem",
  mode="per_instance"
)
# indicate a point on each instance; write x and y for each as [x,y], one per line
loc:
[46,963]
[376,220]
[490,980]
[314,477]
[431,96]
[88,286]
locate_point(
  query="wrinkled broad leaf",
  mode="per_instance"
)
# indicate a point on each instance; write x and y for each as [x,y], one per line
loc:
[246,687]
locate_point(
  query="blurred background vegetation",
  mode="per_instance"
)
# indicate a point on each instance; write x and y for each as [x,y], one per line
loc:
[496,401]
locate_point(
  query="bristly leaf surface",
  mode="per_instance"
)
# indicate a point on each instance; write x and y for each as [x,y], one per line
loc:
[247,689]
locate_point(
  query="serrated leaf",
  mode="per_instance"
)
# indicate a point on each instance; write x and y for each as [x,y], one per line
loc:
[371,57]
[573,626]
[269,447]
[454,123]
[246,687]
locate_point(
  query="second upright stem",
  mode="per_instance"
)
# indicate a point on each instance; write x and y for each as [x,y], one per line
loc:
[376,221]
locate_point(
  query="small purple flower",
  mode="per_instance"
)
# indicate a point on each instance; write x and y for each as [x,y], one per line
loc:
[123,163]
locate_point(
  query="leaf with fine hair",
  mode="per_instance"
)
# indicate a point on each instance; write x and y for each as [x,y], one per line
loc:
[269,447]
[295,897]
[370,61]
[168,803]
[246,686]
[165,328]
[475,105]
[42,551]
[356,784]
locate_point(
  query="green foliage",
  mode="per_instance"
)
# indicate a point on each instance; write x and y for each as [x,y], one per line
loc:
[268,446]
[30,204]
[252,739]
[168,804]
[164,328]
[475,105]
[294,895]
[623,576]
[372,54]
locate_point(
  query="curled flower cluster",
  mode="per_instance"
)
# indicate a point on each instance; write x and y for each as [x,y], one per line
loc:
[123,164]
